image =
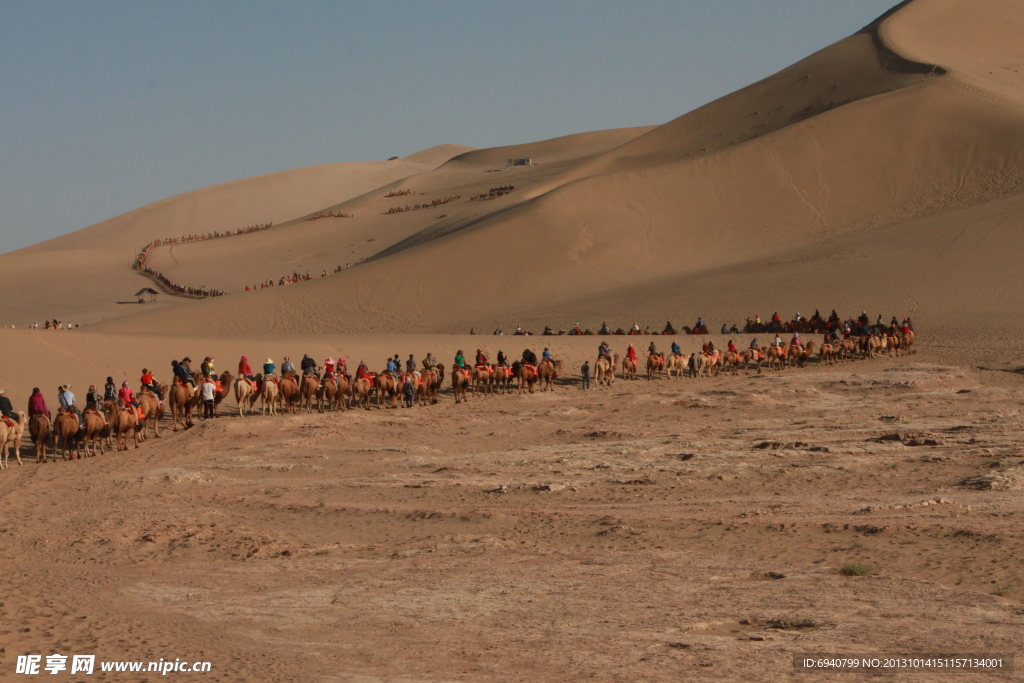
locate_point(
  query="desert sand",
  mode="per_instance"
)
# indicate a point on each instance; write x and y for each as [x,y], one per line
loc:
[673,529]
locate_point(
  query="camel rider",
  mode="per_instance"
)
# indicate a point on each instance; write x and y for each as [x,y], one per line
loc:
[732,346]
[546,357]
[547,331]
[631,353]
[734,329]
[308,365]
[410,365]
[127,395]
[604,351]
[328,368]
[268,374]
[724,330]
[244,369]
[6,408]
[183,376]
[700,323]
[502,360]
[676,349]
[37,404]
[429,361]
[460,360]
[67,402]
[392,368]
[149,382]
[757,319]
[92,399]
[481,359]
[778,341]
[110,390]
[635,329]
[206,367]
[754,345]
[796,341]
[529,357]
[363,372]
[605,329]
[653,349]
[287,366]
[668,328]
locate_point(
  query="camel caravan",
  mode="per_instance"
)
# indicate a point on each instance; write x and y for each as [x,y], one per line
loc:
[113,418]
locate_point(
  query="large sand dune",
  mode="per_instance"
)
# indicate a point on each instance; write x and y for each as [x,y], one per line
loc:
[914,119]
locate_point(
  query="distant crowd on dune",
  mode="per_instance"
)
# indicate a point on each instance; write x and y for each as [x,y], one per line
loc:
[286,280]
[199,292]
[493,193]
[431,205]
[179,289]
[329,214]
[398,193]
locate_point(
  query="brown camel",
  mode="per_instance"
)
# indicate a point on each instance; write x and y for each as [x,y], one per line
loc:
[755,356]
[675,363]
[604,370]
[526,374]
[268,396]
[501,378]
[628,368]
[655,364]
[65,435]
[123,419]
[288,390]
[10,439]
[344,389]
[483,378]
[327,393]
[907,342]
[182,403]
[699,365]
[387,388]
[776,357]
[245,395]
[152,412]
[460,382]
[362,389]
[308,389]
[95,430]
[39,430]
[547,373]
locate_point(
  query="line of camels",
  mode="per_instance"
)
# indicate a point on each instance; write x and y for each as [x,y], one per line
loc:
[116,422]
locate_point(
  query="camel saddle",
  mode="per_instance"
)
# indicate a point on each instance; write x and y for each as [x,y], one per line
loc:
[10,423]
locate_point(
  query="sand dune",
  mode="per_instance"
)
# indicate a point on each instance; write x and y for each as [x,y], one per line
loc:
[861,141]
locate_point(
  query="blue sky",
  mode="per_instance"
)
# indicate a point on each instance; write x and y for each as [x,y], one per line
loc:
[107,106]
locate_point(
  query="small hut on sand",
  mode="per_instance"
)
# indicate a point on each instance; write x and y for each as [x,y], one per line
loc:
[146,292]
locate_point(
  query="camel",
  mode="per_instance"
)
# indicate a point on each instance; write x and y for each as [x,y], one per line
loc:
[732,360]
[65,435]
[847,349]
[604,370]
[677,363]
[628,368]
[755,356]
[10,439]
[501,378]
[460,382]
[152,412]
[362,389]
[268,396]
[699,365]
[95,430]
[526,374]
[182,403]
[799,355]
[655,364]
[308,389]
[388,389]
[122,419]
[483,376]
[327,393]
[548,373]
[872,346]
[344,388]
[224,383]
[776,357]
[288,390]
[245,395]
[907,342]
[39,430]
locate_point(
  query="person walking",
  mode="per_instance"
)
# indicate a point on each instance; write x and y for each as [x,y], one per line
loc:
[409,389]
[209,396]
[585,372]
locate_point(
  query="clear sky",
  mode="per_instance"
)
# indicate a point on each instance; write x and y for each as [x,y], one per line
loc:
[106,106]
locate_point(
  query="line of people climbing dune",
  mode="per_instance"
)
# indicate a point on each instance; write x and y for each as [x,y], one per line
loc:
[429,205]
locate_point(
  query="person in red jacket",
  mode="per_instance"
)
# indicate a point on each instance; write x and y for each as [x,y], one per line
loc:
[631,353]
[127,395]
[244,369]
[37,404]
[149,382]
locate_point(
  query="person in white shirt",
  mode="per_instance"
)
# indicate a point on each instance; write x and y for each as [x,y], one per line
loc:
[209,394]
